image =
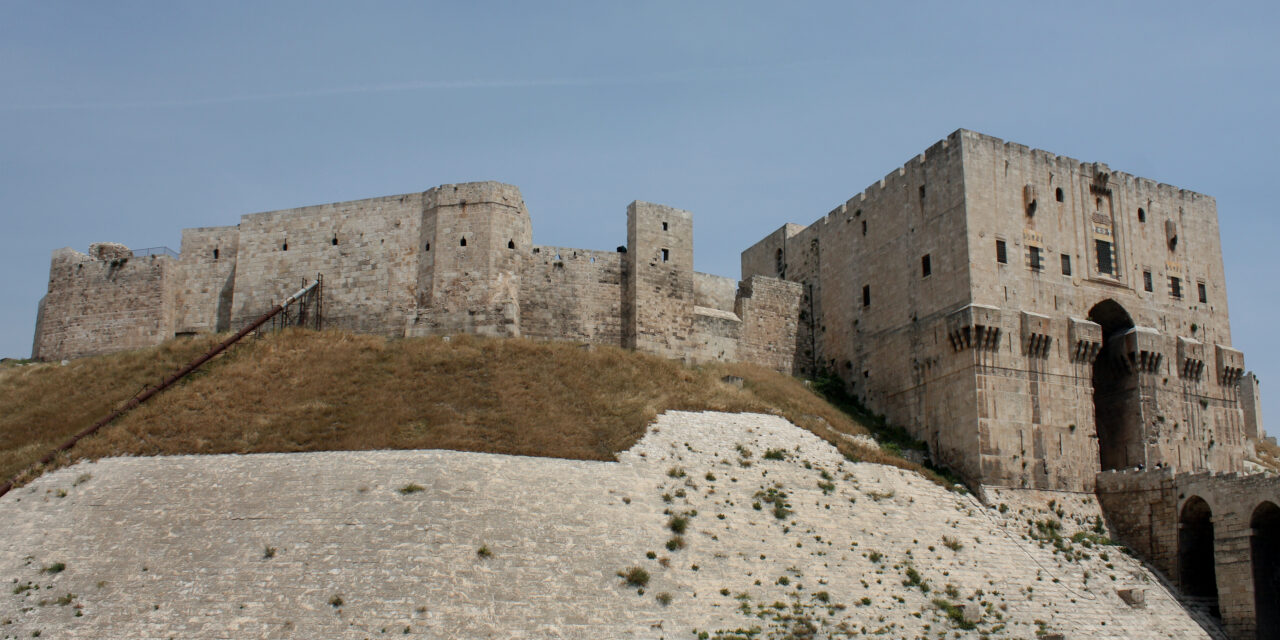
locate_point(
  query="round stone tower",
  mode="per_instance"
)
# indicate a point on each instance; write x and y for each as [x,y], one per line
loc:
[473,237]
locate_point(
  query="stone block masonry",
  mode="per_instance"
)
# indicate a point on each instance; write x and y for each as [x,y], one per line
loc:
[373,544]
[457,258]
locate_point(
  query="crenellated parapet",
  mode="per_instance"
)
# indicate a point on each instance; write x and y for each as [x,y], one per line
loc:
[976,326]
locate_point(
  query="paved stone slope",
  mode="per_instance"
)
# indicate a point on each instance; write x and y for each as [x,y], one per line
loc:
[328,545]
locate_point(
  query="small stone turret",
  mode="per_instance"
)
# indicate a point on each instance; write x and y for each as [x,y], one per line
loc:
[472,238]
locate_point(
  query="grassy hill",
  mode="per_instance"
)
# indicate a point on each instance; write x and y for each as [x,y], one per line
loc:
[333,391]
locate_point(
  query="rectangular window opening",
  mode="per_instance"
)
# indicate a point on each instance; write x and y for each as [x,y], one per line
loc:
[866,295]
[1001,255]
[664,226]
[1204,293]
[1146,280]
[1034,258]
[666,255]
[1066,265]
[1175,287]
[926,267]
[1106,257]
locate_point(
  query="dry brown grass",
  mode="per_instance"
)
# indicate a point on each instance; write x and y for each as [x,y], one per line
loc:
[308,391]
[41,405]
[1268,454]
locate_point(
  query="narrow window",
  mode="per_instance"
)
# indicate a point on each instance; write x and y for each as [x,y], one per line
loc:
[1033,256]
[666,255]
[926,266]
[1106,261]
[1175,287]
[463,243]
[866,295]
[1001,256]
[1204,293]
[511,244]
[1146,280]
[864,227]
[428,248]
[1058,194]
[284,247]
[215,254]
[1066,265]
[664,226]
[922,192]
[1142,214]
[334,241]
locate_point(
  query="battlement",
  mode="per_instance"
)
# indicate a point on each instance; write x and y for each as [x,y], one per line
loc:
[469,193]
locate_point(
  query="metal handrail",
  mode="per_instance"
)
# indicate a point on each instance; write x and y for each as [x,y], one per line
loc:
[155,251]
[170,380]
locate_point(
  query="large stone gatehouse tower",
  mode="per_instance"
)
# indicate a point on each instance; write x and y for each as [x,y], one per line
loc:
[1035,319]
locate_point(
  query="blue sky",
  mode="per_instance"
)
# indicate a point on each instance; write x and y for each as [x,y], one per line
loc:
[127,121]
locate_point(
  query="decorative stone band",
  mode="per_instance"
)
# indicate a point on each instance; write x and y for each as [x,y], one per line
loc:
[1143,349]
[975,326]
[1085,338]
[1190,358]
[1230,365]
[1037,335]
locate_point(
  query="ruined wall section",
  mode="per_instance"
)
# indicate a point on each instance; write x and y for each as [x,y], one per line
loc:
[481,234]
[769,309]
[104,302]
[658,280]
[714,292]
[205,288]
[1054,216]
[366,250]
[572,294]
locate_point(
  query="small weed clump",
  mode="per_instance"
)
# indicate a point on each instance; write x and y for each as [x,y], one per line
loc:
[663,598]
[952,543]
[336,601]
[268,553]
[676,472]
[954,613]
[411,488]
[676,543]
[56,567]
[775,454]
[635,577]
[678,524]
[484,551]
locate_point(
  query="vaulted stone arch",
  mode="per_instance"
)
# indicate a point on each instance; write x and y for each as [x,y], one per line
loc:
[1197,570]
[1116,397]
[1264,548]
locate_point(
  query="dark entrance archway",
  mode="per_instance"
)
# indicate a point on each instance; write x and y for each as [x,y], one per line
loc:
[1197,574]
[1264,549]
[1116,399]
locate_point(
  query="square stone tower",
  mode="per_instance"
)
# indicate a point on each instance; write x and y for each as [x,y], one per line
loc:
[1033,318]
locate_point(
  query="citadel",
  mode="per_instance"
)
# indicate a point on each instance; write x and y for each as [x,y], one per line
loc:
[1040,322]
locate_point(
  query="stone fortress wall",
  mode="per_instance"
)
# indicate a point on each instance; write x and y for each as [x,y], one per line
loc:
[1033,318]
[456,258]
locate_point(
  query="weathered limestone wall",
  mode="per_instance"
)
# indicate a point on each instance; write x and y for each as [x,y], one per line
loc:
[1251,406]
[659,280]
[715,336]
[108,301]
[572,294]
[204,293]
[714,292]
[1182,413]
[367,250]
[770,313]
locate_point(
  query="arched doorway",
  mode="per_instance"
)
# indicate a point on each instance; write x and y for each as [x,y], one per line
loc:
[1116,400]
[1197,572]
[1264,547]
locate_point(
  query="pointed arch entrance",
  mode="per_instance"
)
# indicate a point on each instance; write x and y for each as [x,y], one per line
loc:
[1197,572]
[1264,547]
[1116,395]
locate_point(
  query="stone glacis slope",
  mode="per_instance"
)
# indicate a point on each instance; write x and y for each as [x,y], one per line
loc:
[716,525]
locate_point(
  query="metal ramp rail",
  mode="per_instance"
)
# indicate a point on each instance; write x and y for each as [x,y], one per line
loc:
[307,298]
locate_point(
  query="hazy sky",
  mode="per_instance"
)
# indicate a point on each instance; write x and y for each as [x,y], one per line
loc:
[127,121]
